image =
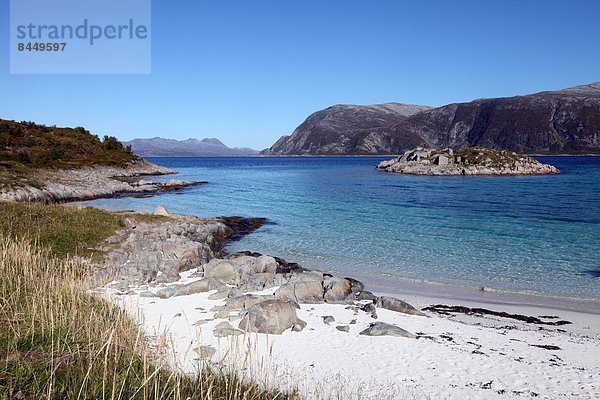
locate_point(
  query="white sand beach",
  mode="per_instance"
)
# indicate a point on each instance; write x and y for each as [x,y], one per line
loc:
[453,357]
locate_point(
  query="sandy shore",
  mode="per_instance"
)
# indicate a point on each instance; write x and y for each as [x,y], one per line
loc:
[454,357]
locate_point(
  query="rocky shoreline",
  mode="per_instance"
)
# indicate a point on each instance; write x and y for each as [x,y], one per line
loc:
[466,161]
[175,277]
[64,185]
[155,254]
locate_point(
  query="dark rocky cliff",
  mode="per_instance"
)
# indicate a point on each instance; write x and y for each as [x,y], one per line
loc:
[346,129]
[565,121]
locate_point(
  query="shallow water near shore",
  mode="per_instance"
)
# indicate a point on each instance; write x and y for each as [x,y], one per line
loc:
[528,234]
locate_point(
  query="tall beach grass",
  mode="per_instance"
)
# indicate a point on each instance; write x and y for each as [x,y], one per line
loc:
[58,341]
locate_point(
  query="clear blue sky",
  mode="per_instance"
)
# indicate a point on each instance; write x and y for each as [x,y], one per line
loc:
[248,72]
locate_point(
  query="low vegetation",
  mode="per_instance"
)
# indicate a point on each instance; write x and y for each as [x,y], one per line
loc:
[482,156]
[63,231]
[58,341]
[25,146]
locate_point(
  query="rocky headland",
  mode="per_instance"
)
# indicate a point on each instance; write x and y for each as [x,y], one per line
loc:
[154,255]
[86,183]
[466,161]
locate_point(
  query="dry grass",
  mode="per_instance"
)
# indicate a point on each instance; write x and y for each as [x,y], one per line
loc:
[58,341]
[62,229]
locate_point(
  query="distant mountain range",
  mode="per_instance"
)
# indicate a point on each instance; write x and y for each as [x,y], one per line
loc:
[557,122]
[160,147]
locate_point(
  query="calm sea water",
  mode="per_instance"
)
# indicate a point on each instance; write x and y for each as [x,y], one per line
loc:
[533,234]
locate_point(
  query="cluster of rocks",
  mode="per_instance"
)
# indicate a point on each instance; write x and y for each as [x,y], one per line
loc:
[157,251]
[64,185]
[154,254]
[466,161]
[236,277]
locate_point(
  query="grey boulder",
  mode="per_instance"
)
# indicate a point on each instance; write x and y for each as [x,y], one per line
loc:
[366,295]
[161,211]
[167,292]
[227,271]
[201,286]
[304,291]
[299,325]
[270,316]
[266,264]
[338,290]
[205,351]
[369,308]
[383,329]
[394,304]
[246,301]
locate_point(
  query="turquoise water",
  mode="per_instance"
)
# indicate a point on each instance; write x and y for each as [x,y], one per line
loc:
[538,234]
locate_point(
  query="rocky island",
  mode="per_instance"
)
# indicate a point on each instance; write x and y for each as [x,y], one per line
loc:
[465,161]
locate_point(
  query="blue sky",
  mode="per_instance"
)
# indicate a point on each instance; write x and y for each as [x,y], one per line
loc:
[248,72]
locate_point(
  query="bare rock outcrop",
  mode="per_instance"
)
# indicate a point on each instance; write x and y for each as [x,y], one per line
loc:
[153,253]
[466,161]
[157,251]
[63,185]
[304,288]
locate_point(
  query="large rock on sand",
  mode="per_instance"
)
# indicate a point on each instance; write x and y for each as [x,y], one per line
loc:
[230,272]
[224,329]
[394,304]
[271,316]
[338,290]
[201,286]
[305,288]
[383,329]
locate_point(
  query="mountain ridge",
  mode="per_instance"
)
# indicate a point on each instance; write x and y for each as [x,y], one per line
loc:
[563,121]
[191,147]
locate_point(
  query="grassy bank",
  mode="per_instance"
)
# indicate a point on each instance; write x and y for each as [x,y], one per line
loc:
[58,341]
[61,229]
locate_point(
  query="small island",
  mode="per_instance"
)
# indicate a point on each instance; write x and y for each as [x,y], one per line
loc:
[465,161]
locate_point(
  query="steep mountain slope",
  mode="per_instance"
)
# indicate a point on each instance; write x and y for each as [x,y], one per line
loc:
[159,147]
[346,129]
[555,122]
